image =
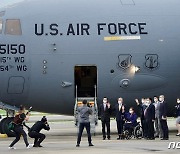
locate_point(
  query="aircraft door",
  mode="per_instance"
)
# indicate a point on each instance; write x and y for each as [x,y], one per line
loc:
[86,88]
[85,81]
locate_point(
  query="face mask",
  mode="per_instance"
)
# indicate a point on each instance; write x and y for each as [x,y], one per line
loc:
[120,102]
[131,112]
[148,102]
[161,99]
[104,101]
[155,100]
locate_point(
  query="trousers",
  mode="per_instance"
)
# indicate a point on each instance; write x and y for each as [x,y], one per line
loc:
[38,137]
[18,130]
[81,128]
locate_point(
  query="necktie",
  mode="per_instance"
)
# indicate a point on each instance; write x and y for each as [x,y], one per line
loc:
[145,111]
[119,107]
[104,107]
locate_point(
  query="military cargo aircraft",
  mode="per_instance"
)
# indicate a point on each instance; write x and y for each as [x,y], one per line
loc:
[55,53]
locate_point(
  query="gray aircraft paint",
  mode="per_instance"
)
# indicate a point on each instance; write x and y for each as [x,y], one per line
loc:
[157,40]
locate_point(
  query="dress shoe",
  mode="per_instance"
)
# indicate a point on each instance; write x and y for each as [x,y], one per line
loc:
[90,144]
[119,137]
[104,138]
[40,146]
[165,139]
[77,145]
[109,138]
[145,137]
[35,145]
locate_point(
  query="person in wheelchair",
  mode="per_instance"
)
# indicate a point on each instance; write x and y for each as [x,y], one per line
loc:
[130,120]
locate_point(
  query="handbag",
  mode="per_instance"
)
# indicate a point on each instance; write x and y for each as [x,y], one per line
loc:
[11,126]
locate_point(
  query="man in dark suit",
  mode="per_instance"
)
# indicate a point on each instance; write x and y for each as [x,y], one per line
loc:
[119,110]
[163,117]
[104,115]
[157,124]
[142,106]
[149,115]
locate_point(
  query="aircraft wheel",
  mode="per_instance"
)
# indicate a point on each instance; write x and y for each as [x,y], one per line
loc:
[5,129]
[1,126]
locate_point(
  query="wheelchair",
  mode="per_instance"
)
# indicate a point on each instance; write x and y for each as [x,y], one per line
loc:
[135,132]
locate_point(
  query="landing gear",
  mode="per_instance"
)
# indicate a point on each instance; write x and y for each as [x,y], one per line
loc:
[10,110]
[1,126]
[4,127]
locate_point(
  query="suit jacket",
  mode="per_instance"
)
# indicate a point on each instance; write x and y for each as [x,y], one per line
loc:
[157,106]
[142,107]
[177,109]
[131,118]
[162,110]
[150,112]
[104,114]
[118,113]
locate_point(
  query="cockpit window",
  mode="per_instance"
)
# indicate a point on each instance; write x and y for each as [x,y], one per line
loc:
[1,26]
[13,27]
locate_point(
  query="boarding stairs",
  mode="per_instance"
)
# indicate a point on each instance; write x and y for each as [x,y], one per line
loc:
[92,102]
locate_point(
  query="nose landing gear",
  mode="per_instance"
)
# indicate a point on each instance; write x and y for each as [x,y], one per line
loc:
[10,110]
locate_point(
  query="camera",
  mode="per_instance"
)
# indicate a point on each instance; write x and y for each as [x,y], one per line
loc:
[29,110]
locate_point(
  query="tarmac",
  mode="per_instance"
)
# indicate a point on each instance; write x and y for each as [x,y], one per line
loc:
[63,134]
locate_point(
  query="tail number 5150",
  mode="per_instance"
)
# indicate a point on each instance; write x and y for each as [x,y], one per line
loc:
[12,49]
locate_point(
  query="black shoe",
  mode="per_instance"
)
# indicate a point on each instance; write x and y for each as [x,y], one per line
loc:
[104,138]
[145,137]
[165,139]
[178,134]
[157,136]
[120,137]
[90,144]
[77,145]
[109,138]
[35,145]
[40,146]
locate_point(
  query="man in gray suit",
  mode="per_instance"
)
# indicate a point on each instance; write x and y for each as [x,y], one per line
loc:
[84,113]
[158,130]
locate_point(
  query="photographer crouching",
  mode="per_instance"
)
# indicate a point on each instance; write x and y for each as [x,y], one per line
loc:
[34,131]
